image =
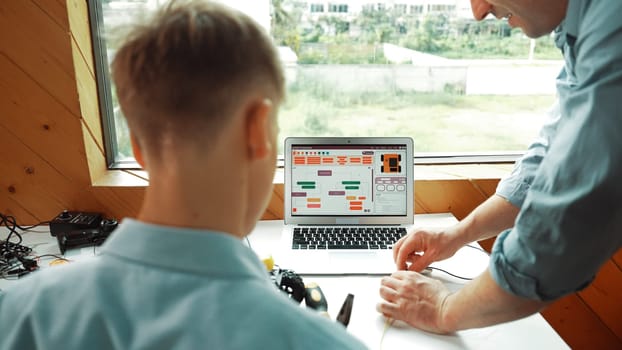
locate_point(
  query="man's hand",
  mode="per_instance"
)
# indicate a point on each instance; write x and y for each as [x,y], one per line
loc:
[415,299]
[426,303]
[420,248]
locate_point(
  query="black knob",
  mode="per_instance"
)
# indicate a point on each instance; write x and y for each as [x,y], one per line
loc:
[64,215]
[108,225]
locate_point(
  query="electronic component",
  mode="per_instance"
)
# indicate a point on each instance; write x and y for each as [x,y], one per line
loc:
[289,282]
[14,261]
[68,221]
[75,229]
[314,298]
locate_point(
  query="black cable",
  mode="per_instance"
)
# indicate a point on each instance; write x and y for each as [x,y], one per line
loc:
[13,255]
[456,276]
[10,220]
[10,223]
[27,228]
[449,273]
[478,248]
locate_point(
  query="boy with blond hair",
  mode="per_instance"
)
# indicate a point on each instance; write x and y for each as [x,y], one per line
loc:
[200,85]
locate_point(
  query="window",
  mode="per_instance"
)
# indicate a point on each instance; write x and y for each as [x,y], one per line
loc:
[317,8]
[341,8]
[400,8]
[456,86]
[416,9]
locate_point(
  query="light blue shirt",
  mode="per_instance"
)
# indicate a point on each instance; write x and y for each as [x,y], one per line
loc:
[569,183]
[156,287]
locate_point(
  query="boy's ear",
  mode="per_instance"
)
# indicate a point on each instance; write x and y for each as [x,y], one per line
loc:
[258,134]
[138,153]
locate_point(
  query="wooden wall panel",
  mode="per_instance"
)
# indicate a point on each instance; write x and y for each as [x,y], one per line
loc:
[86,83]
[580,326]
[32,181]
[42,122]
[604,296]
[459,197]
[275,209]
[44,161]
[40,44]
[56,10]
[118,202]
[77,11]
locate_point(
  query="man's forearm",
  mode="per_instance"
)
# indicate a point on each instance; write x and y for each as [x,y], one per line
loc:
[487,220]
[482,303]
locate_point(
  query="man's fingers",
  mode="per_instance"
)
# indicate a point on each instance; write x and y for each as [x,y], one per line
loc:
[404,255]
[390,281]
[387,309]
[388,294]
[419,263]
[397,246]
[412,262]
[413,244]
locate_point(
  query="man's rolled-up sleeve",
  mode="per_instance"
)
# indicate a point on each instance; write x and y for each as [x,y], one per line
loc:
[570,222]
[515,186]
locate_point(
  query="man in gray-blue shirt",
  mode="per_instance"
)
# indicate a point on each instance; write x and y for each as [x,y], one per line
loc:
[200,85]
[560,211]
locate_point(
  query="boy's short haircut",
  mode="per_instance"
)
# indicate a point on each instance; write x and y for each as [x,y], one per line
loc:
[184,71]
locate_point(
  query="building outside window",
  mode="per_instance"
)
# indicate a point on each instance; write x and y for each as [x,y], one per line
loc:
[416,9]
[400,8]
[456,86]
[317,8]
[338,8]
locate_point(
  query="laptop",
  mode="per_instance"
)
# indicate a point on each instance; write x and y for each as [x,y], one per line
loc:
[347,201]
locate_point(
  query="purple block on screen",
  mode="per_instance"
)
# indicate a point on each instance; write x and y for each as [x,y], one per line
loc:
[336,193]
[324,173]
[299,194]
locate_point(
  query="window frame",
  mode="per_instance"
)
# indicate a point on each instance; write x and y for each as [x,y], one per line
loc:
[104,88]
[104,92]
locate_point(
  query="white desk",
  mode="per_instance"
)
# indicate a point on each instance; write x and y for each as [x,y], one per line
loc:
[365,323]
[368,325]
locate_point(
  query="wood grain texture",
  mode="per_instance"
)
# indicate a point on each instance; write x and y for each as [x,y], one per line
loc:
[56,10]
[42,123]
[458,197]
[580,326]
[82,53]
[42,48]
[52,156]
[275,209]
[604,296]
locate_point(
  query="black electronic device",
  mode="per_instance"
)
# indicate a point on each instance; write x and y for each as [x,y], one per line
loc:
[68,221]
[289,282]
[75,229]
[315,299]
[294,287]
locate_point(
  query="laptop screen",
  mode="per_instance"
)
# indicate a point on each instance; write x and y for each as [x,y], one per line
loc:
[349,177]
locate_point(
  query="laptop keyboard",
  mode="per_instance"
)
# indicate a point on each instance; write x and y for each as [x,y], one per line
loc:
[333,237]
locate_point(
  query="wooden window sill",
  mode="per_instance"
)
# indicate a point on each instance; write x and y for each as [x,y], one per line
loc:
[140,178]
